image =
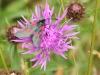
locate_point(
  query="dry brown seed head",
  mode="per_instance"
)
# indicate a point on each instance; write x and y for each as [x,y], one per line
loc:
[10,34]
[76,11]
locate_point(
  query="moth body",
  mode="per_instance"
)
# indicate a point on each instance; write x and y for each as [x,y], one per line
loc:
[34,31]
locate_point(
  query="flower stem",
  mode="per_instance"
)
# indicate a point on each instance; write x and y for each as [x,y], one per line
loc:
[75,62]
[63,8]
[0,5]
[27,8]
[2,58]
[26,68]
[93,37]
[71,43]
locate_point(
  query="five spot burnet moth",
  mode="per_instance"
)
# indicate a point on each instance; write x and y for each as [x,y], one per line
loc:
[34,31]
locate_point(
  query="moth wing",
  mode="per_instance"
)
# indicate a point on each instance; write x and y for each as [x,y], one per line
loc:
[35,41]
[25,32]
[37,37]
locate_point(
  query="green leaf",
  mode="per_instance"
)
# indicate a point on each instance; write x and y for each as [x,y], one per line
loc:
[7,21]
[11,15]
[15,60]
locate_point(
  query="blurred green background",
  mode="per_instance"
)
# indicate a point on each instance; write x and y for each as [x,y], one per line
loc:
[11,11]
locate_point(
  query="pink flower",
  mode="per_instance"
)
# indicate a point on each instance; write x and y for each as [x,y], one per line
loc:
[54,37]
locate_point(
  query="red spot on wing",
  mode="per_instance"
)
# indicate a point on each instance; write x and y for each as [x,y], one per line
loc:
[23,31]
[37,34]
[38,39]
[29,30]
[35,23]
[42,28]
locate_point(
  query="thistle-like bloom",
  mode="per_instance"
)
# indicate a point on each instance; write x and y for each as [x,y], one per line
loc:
[11,72]
[54,37]
[10,34]
[76,10]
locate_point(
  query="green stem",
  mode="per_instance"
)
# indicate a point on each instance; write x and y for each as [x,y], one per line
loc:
[26,68]
[0,5]
[63,8]
[93,37]
[4,62]
[27,7]
[71,43]
[75,63]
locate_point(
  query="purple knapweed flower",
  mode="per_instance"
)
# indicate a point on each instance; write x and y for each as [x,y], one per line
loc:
[54,37]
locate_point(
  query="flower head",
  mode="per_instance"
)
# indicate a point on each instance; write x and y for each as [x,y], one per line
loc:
[54,38]
[10,34]
[11,72]
[76,11]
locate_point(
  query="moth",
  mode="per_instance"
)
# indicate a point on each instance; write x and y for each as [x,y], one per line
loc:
[34,31]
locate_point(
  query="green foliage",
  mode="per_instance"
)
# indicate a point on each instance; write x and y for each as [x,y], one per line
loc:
[12,11]
[14,56]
